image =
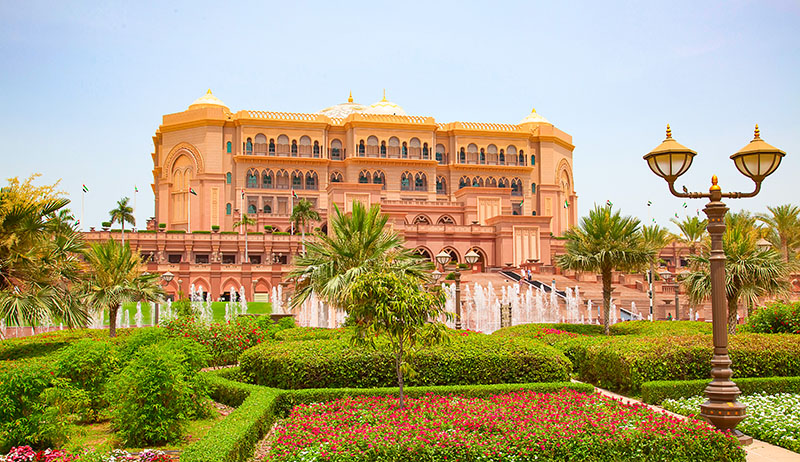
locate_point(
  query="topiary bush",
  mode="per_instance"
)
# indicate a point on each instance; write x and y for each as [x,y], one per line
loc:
[468,358]
[87,365]
[776,317]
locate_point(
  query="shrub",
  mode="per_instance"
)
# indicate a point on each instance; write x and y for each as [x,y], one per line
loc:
[162,225]
[268,228]
[129,344]
[312,333]
[624,363]
[201,232]
[658,391]
[255,233]
[469,358]
[154,396]
[543,330]
[657,328]
[87,365]
[25,419]
[105,224]
[228,232]
[44,344]
[280,233]
[450,276]
[225,340]
[214,227]
[146,231]
[176,231]
[777,317]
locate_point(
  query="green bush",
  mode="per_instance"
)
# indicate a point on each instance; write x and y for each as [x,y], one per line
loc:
[201,232]
[280,233]
[176,231]
[44,344]
[467,359]
[623,363]
[88,365]
[658,391]
[225,340]
[146,231]
[162,225]
[657,328]
[544,330]
[255,233]
[214,227]
[775,318]
[25,419]
[129,344]
[105,224]
[156,394]
[312,333]
[228,232]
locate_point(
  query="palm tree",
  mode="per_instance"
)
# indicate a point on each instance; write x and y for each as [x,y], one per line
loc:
[692,231]
[122,213]
[603,242]
[359,242]
[783,228]
[245,221]
[302,214]
[656,238]
[750,272]
[39,260]
[116,278]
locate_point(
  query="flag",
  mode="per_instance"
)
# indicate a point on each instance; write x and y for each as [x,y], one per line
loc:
[566,204]
[135,189]
[684,205]
[649,203]
[243,194]
[608,203]
[85,189]
[676,214]
[191,190]
[654,220]
[294,194]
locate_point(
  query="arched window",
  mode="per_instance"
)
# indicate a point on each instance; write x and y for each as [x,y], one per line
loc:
[363,176]
[305,146]
[533,188]
[282,179]
[533,160]
[311,180]
[512,155]
[229,147]
[252,179]
[482,159]
[228,208]
[283,145]
[394,147]
[463,182]
[445,220]
[379,178]
[441,185]
[420,182]
[271,147]
[336,177]
[490,182]
[248,146]
[383,148]
[297,179]
[462,157]
[372,146]
[361,148]
[502,183]
[477,182]
[425,151]
[414,145]
[267,179]
[336,150]
[251,209]
[502,157]
[405,181]
[261,145]
[516,187]
[316,148]
[521,157]
[440,153]
[267,208]
[228,178]
[294,148]
[472,154]
[404,151]
[421,220]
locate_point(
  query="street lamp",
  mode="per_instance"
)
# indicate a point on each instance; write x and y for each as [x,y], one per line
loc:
[671,280]
[166,278]
[757,160]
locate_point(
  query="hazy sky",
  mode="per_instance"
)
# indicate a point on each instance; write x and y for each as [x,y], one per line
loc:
[84,85]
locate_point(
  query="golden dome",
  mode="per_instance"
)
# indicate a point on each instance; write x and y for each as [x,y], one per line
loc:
[344,109]
[385,107]
[208,100]
[534,118]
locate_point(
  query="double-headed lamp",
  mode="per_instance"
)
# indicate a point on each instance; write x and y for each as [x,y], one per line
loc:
[443,258]
[758,159]
[670,159]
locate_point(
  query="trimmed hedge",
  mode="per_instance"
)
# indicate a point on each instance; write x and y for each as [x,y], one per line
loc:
[658,328]
[469,359]
[234,439]
[45,343]
[542,330]
[312,333]
[657,392]
[624,363]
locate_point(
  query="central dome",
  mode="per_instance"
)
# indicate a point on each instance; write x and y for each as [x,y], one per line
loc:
[207,100]
[385,107]
[344,109]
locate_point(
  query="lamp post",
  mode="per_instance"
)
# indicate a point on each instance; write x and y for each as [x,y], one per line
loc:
[471,258]
[166,278]
[671,280]
[757,160]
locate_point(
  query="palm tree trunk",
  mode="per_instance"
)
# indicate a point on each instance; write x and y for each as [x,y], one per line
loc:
[112,320]
[733,310]
[606,274]
[398,360]
[123,233]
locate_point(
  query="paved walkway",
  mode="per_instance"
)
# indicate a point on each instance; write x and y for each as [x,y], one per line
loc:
[759,451]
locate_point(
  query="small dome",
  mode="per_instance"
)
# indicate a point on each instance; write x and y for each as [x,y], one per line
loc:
[344,109]
[385,107]
[534,118]
[207,100]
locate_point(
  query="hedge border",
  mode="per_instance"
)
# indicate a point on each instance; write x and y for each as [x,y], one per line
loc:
[657,391]
[234,439]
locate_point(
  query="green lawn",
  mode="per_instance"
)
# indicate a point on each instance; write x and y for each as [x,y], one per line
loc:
[217,307]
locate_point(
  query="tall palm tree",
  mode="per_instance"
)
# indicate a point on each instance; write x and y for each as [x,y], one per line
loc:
[603,242]
[122,213]
[39,261]
[359,242]
[303,214]
[656,238]
[750,272]
[245,221]
[116,277]
[783,225]
[692,231]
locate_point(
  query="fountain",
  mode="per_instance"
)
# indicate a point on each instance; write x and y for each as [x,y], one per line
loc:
[138,317]
[242,301]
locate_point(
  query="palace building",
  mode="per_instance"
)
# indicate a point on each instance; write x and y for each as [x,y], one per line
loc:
[504,190]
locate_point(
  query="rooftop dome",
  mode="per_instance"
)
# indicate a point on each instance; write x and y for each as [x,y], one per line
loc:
[344,109]
[208,100]
[385,107]
[534,118]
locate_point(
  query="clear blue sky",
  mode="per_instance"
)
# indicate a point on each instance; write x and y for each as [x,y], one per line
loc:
[84,85]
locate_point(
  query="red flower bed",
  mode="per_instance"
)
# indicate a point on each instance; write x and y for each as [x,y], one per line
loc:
[513,427]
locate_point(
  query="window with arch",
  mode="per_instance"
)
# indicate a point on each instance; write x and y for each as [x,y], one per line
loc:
[267,179]
[441,185]
[477,182]
[316,148]
[272,147]
[512,155]
[521,157]
[282,179]
[491,152]
[405,181]
[252,179]
[421,220]
[482,159]
[379,178]
[363,176]
[394,147]
[533,188]
[404,151]
[361,148]
[425,151]
[383,148]
[336,150]
[261,145]
[472,153]
[502,183]
[248,146]
[228,208]
[462,157]
[516,187]
[229,147]
[440,153]
[463,182]
[228,178]
[311,180]
[251,209]
[490,182]
[420,182]
[533,160]
[283,145]
[502,157]
[336,177]
[415,150]
[267,208]
[297,180]
[372,145]
[294,147]
[445,220]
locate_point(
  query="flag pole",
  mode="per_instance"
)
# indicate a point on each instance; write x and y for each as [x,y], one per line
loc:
[83,201]
[135,190]
[292,212]
[189,211]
